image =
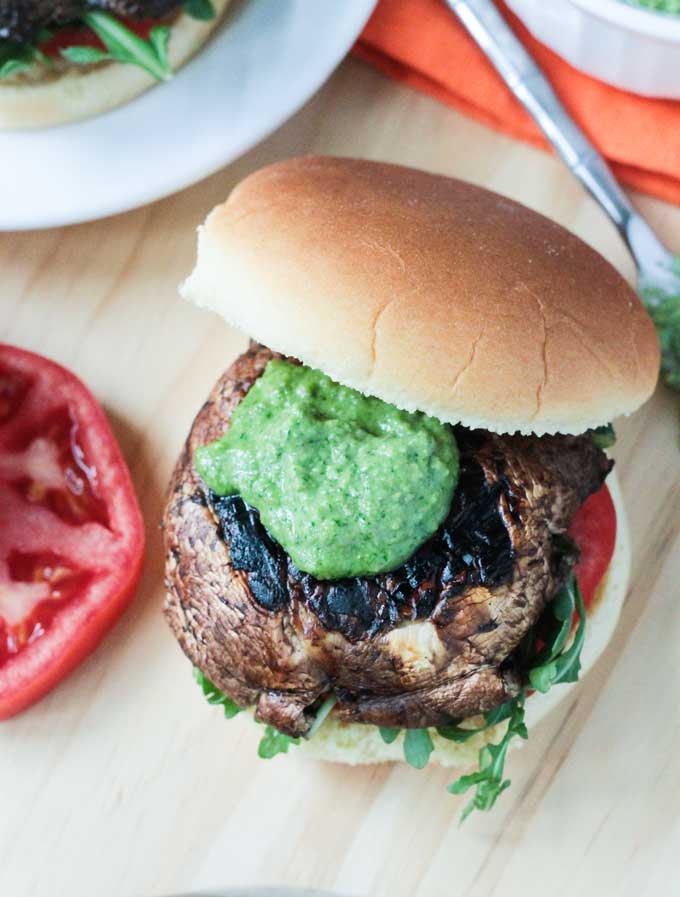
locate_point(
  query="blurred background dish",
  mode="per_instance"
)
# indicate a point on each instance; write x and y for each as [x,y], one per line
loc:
[269,57]
[628,46]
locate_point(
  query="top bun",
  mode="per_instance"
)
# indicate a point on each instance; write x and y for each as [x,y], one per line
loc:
[429,293]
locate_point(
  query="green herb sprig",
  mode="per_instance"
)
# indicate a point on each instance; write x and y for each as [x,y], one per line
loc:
[274,742]
[200,9]
[16,58]
[123,45]
[489,782]
[418,744]
[604,437]
[214,696]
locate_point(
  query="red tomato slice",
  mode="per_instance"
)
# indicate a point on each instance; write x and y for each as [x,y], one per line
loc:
[594,531]
[71,532]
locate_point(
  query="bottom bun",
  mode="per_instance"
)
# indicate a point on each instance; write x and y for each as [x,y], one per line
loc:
[354,743]
[84,92]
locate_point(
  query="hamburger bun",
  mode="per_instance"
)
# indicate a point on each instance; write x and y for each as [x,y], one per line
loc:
[354,744]
[77,92]
[430,293]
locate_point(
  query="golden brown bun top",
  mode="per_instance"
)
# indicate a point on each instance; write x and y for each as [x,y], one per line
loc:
[428,292]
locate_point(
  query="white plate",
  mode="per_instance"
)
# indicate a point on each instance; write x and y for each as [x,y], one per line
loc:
[270,57]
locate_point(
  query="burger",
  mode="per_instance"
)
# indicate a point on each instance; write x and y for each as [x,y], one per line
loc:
[68,60]
[394,530]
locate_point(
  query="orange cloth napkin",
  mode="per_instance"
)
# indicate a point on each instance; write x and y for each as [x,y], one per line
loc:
[421,43]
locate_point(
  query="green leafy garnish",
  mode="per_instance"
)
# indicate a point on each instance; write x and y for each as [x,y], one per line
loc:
[85,55]
[499,714]
[214,696]
[321,715]
[200,9]
[554,664]
[15,58]
[454,732]
[417,747]
[603,437]
[388,734]
[123,45]
[274,742]
[488,781]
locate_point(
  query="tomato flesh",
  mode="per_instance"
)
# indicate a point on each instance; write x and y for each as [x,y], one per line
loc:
[53,443]
[593,528]
[71,533]
[13,389]
[57,579]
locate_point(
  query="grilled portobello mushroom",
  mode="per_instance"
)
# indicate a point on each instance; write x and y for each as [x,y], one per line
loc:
[416,647]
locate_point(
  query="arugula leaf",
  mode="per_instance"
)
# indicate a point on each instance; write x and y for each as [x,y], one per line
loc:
[214,696]
[499,714]
[559,665]
[84,55]
[554,664]
[488,781]
[123,45]
[159,37]
[417,747]
[388,735]
[200,9]
[544,668]
[321,715]
[14,66]
[274,742]
[454,732]
[15,58]
[604,437]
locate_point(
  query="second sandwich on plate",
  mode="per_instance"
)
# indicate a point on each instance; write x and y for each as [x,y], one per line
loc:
[63,61]
[390,533]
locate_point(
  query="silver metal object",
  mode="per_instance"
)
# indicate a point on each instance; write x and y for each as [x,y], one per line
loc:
[655,263]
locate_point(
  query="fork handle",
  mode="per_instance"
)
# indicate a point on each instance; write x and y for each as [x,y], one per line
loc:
[532,89]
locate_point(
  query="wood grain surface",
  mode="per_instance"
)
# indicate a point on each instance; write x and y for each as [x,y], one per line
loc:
[125,783]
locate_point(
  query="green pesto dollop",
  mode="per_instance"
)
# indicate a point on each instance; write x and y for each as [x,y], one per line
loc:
[347,484]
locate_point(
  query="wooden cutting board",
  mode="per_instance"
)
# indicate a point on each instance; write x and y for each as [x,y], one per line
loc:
[125,783]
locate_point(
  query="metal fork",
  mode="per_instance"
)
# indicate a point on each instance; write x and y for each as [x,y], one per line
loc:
[658,271]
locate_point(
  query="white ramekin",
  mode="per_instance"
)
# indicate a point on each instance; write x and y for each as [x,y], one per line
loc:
[632,48]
